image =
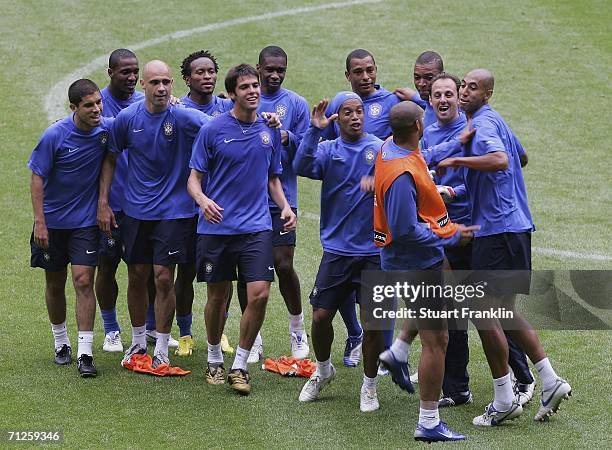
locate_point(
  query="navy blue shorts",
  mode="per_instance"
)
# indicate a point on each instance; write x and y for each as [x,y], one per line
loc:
[281,237]
[77,246]
[218,257]
[507,259]
[459,258]
[339,277]
[112,247]
[161,242]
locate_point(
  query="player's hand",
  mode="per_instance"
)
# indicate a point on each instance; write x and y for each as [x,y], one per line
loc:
[211,211]
[319,119]
[447,193]
[271,119]
[448,163]
[289,217]
[467,233]
[106,219]
[41,235]
[432,174]
[174,100]
[367,183]
[468,133]
[404,93]
[284,138]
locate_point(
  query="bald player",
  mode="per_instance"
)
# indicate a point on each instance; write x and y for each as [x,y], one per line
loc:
[157,229]
[411,225]
[498,201]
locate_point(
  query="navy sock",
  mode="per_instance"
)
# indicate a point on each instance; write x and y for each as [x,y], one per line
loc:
[388,336]
[349,316]
[151,325]
[109,317]
[184,324]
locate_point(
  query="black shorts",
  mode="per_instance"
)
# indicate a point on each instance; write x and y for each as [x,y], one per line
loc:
[77,246]
[161,242]
[218,257]
[281,237]
[505,258]
[112,247]
[339,277]
[459,258]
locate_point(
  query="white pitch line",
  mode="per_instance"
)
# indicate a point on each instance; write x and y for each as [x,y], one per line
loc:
[540,250]
[55,99]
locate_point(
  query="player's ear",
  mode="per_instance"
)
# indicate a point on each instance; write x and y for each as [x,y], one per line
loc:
[488,94]
[346,74]
[109,71]
[73,107]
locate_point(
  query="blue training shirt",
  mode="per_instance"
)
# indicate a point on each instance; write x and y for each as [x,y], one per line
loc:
[294,113]
[111,106]
[498,199]
[238,158]
[376,108]
[347,213]
[215,107]
[69,161]
[459,209]
[159,149]
[414,245]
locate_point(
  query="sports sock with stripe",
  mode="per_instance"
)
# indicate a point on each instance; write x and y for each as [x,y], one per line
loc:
[429,418]
[161,345]
[139,337]
[215,355]
[296,323]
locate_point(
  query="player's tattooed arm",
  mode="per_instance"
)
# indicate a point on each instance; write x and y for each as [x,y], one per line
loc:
[41,233]
[106,217]
[210,210]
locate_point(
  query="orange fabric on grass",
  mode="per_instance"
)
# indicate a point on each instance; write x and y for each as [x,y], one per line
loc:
[290,367]
[143,364]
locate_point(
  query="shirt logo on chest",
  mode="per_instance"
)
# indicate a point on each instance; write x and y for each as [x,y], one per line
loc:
[369,155]
[375,109]
[168,129]
[281,111]
[265,137]
[104,138]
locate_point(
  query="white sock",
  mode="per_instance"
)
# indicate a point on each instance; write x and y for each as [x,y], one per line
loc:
[400,350]
[502,393]
[324,368]
[368,383]
[161,345]
[139,337]
[215,356]
[60,335]
[240,361]
[258,339]
[429,418]
[547,374]
[296,323]
[85,343]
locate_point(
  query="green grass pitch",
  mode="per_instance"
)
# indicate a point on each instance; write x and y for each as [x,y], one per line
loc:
[552,64]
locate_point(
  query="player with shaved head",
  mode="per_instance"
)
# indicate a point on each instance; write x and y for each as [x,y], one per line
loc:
[411,225]
[158,227]
[498,201]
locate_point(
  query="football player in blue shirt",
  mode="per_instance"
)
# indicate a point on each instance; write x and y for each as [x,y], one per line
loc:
[235,227]
[293,112]
[65,168]
[158,225]
[346,167]
[119,94]
[428,65]
[498,201]
[200,70]
[361,73]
